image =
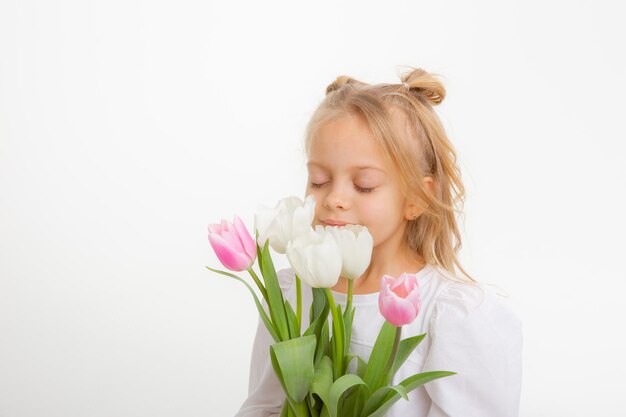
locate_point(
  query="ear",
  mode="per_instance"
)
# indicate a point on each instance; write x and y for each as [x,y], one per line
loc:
[414,208]
[429,184]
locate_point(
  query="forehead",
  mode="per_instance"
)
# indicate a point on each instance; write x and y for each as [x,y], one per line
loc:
[347,144]
[359,168]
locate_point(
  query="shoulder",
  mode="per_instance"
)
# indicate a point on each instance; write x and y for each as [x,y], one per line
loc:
[478,310]
[476,332]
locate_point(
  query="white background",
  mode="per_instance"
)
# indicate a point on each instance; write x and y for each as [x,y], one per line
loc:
[126,127]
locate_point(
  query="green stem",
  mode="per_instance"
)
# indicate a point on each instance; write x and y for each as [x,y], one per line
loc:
[337,335]
[349,301]
[299,303]
[347,322]
[258,284]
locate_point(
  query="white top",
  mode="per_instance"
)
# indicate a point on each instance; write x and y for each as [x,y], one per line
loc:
[477,334]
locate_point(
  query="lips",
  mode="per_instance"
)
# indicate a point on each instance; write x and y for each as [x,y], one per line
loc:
[331,222]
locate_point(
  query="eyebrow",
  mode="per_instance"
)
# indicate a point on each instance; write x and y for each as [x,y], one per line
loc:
[359,167]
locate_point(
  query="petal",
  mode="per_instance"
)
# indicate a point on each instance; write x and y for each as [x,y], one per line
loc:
[385,284]
[281,232]
[399,287]
[298,253]
[310,272]
[231,259]
[415,299]
[309,205]
[229,234]
[396,310]
[325,262]
[292,202]
[215,228]
[263,217]
[404,284]
[295,260]
[362,254]
[249,247]
[365,243]
[300,222]
[319,229]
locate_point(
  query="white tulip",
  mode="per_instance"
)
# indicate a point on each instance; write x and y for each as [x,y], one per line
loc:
[356,244]
[289,219]
[316,258]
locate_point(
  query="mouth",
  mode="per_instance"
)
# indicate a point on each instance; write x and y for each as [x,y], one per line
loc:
[329,222]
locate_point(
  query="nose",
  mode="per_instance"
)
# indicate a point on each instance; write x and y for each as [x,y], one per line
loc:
[336,199]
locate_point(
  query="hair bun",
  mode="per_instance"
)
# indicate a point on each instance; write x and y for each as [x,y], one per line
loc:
[340,81]
[426,84]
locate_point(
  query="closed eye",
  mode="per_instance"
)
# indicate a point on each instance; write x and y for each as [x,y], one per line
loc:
[360,189]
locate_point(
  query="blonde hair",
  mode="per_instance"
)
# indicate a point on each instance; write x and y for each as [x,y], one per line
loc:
[413,142]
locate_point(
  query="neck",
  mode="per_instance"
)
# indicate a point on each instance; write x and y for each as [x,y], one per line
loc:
[392,261]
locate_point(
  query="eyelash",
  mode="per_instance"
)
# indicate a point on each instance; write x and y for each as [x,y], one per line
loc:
[360,189]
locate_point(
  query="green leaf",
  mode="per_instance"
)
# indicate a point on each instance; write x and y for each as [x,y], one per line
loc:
[361,367]
[359,400]
[259,253]
[377,399]
[322,342]
[319,312]
[292,321]
[293,363]
[323,379]
[341,385]
[270,327]
[418,380]
[379,358]
[404,350]
[351,404]
[337,350]
[274,294]
[319,302]
[408,385]
[341,344]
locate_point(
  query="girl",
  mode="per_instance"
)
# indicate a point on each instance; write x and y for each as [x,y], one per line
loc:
[378,156]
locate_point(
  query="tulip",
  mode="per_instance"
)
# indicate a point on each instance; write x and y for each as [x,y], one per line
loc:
[316,258]
[289,219]
[233,245]
[399,299]
[356,244]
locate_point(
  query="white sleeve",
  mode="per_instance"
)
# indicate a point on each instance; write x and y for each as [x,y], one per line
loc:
[265,394]
[479,336]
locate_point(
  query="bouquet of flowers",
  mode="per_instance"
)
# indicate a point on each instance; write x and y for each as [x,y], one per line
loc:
[312,365]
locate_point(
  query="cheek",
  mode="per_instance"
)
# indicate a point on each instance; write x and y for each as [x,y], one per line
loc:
[381,219]
[375,218]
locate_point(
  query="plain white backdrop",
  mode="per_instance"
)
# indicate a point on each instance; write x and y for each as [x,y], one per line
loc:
[126,127]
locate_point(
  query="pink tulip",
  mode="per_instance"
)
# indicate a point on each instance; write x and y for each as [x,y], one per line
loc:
[233,244]
[399,299]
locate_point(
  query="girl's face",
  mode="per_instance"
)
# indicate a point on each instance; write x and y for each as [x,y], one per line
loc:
[351,184]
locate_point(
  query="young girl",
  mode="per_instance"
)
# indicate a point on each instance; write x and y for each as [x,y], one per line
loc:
[378,156]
